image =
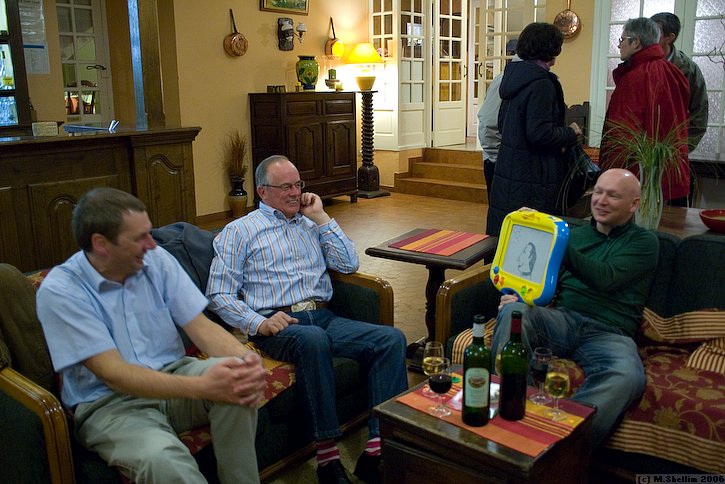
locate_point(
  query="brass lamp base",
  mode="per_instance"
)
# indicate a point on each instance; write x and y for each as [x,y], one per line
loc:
[365,83]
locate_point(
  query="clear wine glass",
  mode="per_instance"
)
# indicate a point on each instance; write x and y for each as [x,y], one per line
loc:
[440,382]
[432,358]
[497,359]
[557,385]
[539,367]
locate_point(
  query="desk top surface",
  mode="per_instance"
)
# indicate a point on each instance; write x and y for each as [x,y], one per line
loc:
[683,222]
[462,259]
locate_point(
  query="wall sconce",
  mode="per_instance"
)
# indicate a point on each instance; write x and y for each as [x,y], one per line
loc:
[286,33]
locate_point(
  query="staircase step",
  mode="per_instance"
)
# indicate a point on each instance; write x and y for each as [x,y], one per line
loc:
[468,192]
[442,155]
[447,171]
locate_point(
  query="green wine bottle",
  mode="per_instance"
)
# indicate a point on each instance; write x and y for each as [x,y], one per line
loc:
[514,371]
[476,377]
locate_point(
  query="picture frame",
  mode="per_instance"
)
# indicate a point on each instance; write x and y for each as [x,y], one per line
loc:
[297,7]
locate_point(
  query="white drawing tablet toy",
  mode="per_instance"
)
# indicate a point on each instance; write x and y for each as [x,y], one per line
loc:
[529,253]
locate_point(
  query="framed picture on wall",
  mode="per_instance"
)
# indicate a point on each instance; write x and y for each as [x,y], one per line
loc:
[299,7]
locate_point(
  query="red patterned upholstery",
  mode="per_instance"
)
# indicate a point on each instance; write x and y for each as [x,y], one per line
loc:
[681,415]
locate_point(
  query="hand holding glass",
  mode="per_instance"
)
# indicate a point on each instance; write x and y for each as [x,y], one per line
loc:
[557,385]
[440,382]
[432,358]
[539,366]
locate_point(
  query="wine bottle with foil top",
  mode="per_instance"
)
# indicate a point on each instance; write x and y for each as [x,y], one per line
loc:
[514,372]
[476,377]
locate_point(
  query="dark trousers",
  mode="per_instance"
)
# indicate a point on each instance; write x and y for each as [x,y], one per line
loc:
[488,167]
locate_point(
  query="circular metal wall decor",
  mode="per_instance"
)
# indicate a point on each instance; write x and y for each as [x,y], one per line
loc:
[567,21]
[235,44]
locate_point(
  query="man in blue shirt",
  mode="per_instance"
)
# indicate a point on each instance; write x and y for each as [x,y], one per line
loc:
[110,315]
[269,278]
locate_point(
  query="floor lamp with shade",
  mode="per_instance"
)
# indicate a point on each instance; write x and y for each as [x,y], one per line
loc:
[368,175]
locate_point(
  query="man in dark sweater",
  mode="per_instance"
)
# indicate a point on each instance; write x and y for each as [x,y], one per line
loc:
[603,283]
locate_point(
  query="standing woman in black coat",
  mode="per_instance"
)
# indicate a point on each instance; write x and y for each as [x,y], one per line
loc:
[531,168]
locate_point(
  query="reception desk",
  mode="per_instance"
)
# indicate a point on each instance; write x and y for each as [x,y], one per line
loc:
[42,178]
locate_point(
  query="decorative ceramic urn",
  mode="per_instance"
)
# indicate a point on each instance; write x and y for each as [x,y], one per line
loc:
[307,71]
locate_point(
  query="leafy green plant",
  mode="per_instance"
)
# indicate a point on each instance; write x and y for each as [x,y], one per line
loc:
[633,148]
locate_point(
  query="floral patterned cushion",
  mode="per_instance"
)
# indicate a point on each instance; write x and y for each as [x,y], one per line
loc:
[680,417]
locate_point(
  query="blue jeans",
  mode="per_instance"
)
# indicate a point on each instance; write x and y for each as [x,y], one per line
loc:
[315,340]
[614,375]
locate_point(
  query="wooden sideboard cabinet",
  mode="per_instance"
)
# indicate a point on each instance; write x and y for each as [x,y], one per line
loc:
[41,180]
[316,131]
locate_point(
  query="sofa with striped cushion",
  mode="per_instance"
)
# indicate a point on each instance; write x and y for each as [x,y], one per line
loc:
[678,425]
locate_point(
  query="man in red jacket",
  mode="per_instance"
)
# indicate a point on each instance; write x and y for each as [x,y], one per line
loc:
[651,96]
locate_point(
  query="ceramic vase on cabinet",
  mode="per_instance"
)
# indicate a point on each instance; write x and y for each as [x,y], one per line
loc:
[307,71]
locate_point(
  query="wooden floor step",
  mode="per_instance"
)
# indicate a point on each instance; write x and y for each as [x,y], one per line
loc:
[468,192]
[457,172]
[442,155]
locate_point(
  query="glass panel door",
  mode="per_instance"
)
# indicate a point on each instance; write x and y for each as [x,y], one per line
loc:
[449,63]
[474,68]
[83,52]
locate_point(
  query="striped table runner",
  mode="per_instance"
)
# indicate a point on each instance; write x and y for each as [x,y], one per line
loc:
[531,435]
[439,242]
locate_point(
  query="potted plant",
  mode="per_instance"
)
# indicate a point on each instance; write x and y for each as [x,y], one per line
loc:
[636,150]
[235,163]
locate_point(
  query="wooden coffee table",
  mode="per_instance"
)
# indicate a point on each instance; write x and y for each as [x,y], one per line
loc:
[420,448]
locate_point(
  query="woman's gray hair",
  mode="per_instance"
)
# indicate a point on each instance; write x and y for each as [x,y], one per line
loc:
[643,28]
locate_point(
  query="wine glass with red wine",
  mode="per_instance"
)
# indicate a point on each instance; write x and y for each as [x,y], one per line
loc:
[440,382]
[539,366]
[432,356]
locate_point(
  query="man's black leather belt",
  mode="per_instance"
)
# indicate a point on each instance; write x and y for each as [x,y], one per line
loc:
[308,305]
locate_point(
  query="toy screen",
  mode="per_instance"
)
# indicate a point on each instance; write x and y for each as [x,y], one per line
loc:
[527,253]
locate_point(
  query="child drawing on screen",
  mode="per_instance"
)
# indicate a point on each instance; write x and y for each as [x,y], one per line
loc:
[526,260]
